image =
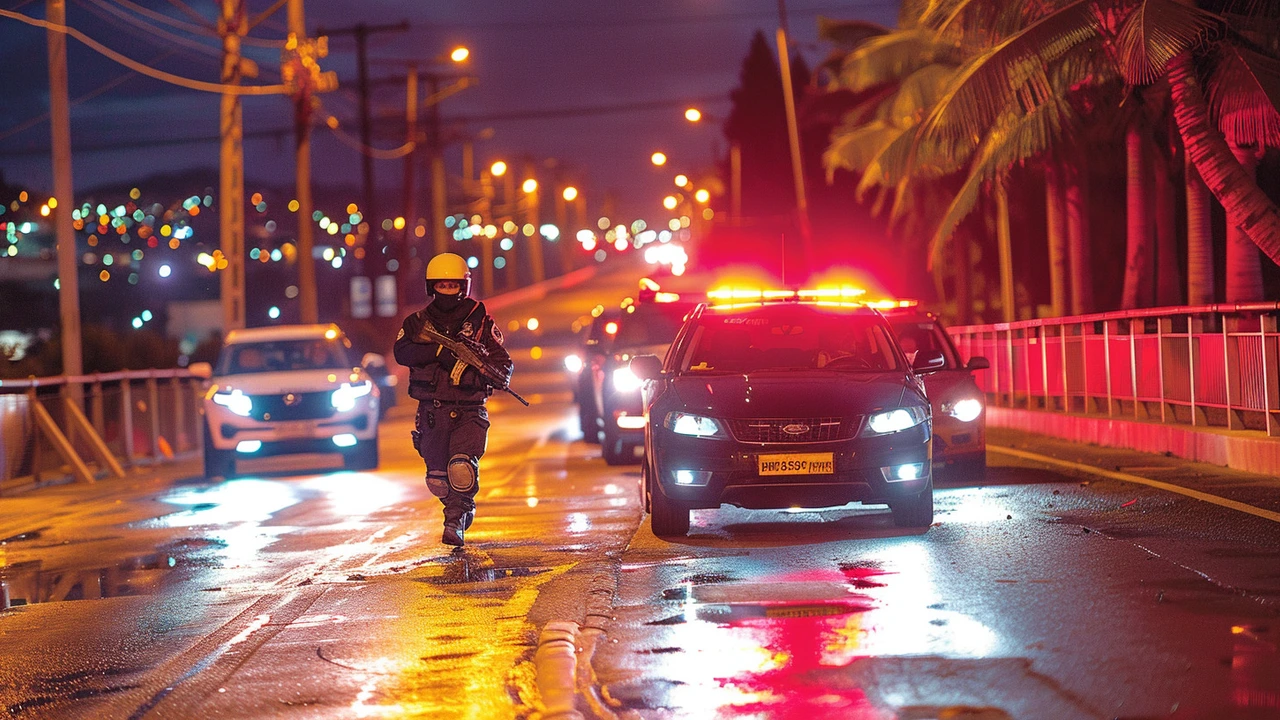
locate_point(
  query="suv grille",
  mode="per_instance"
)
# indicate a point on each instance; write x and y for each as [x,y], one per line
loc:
[792,430]
[305,406]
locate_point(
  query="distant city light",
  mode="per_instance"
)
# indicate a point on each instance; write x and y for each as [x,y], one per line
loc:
[146,316]
[529,186]
[669,202]
[459,54]
[273,312]
[570,193]
[658,159]
[498,169]
[473,262]
[702,195]
[682,180]
[137,323]
[693,114]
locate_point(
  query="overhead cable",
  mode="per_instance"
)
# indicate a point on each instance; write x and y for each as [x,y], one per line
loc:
[147,70]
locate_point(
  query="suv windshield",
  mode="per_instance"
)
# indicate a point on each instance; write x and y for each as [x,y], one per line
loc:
[283,356]
[650,324]
[789,338]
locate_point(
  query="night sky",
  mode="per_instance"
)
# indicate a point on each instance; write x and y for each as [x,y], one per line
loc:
[595,86]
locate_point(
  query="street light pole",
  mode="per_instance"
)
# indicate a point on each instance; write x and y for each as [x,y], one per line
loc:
[232,25]
[793,133]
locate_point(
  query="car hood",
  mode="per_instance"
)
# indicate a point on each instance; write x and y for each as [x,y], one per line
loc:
[633,350]
[794,394]
[294,381]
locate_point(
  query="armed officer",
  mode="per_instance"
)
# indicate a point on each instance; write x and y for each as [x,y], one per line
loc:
[452,424]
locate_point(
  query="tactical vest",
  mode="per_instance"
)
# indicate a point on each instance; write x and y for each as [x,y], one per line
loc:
[432,381]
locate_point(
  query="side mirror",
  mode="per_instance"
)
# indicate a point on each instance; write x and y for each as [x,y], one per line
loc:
[201,370]
[929,360]
[978,363]
[373,360]
[646,367]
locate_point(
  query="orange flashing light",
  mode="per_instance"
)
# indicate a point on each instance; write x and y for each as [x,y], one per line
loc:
[891,304]
[666,297]
[649,284]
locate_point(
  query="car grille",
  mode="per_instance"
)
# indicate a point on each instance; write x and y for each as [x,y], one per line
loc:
[793,430]
[304,406]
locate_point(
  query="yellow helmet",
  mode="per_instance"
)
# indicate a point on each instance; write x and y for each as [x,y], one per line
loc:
[448,266]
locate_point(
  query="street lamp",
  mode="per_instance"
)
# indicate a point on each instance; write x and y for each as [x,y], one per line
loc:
[694,115]
[658,158]
[669,202]
[529,186]
[459,54]
[498,169]
[682,181]
[702,195]
[570,193]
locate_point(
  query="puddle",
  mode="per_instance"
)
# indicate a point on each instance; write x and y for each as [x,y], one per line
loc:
[29,535]
[743,612]
[460,573]
[28,583]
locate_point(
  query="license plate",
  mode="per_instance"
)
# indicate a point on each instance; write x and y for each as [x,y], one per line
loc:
[797,464]
[297,428]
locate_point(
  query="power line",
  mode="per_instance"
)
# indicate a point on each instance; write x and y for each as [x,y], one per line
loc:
[103,6]
[144,69]
[671,19]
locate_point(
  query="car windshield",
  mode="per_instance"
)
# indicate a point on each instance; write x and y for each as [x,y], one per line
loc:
[650,324]
[916,335]
[790,338]
[282,356]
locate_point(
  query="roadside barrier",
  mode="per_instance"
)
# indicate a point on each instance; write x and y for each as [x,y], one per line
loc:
[88,425]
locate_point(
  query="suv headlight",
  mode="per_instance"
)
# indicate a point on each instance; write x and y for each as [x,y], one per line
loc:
[897,420]
[696,425]
[344,398]
[966,410]
[625,381]
[235,401]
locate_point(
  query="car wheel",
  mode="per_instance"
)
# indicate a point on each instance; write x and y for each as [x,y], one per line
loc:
[364,457]
[217,463]
[588,422]
[667,517]
[969,471]
[915,511]
[646,487]
[615,450]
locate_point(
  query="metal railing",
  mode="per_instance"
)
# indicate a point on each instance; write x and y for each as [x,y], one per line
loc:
[143,417]
[1207,365]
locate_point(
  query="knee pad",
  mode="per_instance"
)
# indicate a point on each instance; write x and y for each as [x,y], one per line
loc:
[462,472]
[438,483]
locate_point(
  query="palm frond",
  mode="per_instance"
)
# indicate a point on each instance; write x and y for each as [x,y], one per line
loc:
[1243,95]
[1011,73]
[1156,31]
[848,34]
[890,57]
[1014,140]
[918,93]
[856,149]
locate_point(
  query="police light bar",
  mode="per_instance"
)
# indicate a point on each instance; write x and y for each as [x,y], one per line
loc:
[891,304]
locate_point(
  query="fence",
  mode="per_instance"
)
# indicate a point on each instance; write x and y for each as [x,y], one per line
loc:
[136,417]
[1208,365]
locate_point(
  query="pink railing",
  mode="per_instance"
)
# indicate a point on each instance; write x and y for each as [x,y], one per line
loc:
[1207,365]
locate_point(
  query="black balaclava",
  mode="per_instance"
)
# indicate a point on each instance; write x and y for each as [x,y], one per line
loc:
[446,303]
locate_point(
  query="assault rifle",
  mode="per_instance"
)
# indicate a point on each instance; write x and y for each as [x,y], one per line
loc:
[470,354]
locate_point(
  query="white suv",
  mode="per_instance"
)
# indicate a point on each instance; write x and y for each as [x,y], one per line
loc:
[288,389]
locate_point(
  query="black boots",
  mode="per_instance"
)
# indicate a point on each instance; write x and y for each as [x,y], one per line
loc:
[454,528]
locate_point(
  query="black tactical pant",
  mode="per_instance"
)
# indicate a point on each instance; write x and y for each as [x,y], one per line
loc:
[451,439]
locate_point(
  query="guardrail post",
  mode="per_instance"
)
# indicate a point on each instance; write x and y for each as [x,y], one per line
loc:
[179,411]
[1044,363]
[126,419]
[1008,349]
[153,414]
[1106,364]
[1195,326]
[63,396]
[1271,373]
[96,412]
[35,433]
[198,419]
[1066,384]
[1231,370]
[1164,326]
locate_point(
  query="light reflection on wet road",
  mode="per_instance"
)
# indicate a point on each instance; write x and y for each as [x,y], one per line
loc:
[327,594]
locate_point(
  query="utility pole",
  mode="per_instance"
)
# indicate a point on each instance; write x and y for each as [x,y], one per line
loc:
[793,133]
[63,190]
[232,26]
[532,216]
[411,133]
[302,76]
[439,193]
[361,32]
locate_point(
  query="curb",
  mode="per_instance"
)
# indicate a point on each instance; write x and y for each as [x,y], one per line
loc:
[555,663]
[562,661]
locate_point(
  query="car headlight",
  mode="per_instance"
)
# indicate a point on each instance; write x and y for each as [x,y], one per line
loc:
[235,401]
[897,420]
[344,398]
[625,381]
[966,410]
[573,363]
[695,425]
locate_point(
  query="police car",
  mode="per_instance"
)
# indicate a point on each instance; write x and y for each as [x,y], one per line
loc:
[781,399]
[288,389]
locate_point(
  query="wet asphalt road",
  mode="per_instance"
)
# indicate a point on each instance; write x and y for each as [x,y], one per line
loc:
[298,591]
